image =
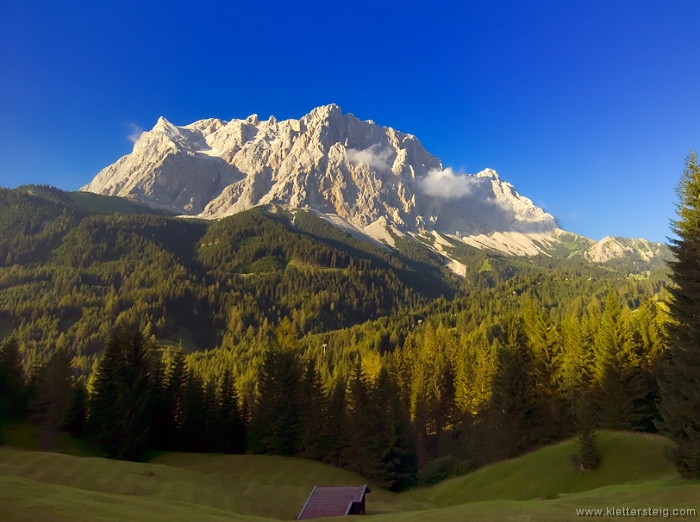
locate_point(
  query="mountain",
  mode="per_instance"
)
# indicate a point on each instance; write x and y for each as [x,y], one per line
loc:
[372,181]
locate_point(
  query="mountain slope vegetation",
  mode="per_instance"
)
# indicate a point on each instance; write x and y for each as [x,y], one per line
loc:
[303,340]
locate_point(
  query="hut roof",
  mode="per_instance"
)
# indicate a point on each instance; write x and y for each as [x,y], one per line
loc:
[331,501]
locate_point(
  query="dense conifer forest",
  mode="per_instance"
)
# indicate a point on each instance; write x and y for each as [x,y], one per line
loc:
[272,332]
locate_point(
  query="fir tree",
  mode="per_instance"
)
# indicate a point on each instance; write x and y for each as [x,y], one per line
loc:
[120,408]
[53,398]
[159,435]
[679,390]
[210,427]
[361,451]
[77,413]
[588,456]
[621,386]
[514,399]
[175,393]
[335,424]
[13,390]
[231,427]
[276,418]
[191,432]
[312,406]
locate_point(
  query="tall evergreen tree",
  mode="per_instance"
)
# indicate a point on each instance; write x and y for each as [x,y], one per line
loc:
[231,427]
[679,390]
[191,432]
[362,449]
[335,424]
[77,413]
[210,427]
[514,398]
[588,456]
[13,389]
[53,398]
[619,376]
[176,390]
[120,408]
[545,343]
[312,409]
[276,417]
[160,433]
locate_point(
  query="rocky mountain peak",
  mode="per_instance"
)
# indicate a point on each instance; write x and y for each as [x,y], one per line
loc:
[372,180]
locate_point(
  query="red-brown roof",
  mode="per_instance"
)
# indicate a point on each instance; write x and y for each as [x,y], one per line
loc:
[331,501]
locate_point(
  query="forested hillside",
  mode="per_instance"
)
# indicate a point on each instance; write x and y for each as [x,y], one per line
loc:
[312,342]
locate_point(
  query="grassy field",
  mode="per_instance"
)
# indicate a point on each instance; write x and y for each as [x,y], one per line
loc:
[543,485]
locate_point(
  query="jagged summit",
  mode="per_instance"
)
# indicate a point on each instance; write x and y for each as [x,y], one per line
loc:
[371,179]
[326,161]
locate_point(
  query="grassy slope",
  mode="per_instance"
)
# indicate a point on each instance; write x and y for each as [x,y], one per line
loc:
[178,486]
[626,457]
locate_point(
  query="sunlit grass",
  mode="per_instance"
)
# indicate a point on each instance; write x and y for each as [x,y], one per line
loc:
[543,485]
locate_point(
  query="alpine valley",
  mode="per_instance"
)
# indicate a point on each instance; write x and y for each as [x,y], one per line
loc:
[322,288]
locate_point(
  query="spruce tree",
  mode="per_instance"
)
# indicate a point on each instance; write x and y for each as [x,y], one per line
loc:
[312,406]
[276,417]
[514,400]
[679,390]
[231,427]
[620,379]
[210,427]
[361,451]
[176,398]
[53,397]
[120,407]
[588,456]
[77,413]
[191,432]
[335,424]
[13,390]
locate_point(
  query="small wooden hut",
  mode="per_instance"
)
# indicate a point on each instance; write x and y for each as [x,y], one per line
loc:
[333,501]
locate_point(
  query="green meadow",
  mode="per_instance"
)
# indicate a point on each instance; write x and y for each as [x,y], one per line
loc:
[543,485]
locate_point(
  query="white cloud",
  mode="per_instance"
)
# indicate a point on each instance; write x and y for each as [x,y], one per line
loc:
[446,184]
[377,160]
[135,133]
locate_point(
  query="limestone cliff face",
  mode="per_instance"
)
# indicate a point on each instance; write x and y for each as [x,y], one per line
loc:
[366,178]
[328,162]
[610,248]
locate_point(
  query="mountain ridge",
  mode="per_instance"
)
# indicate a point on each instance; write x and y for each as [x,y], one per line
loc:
[371,180]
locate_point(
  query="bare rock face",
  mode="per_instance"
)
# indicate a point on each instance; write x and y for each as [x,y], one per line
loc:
[369,179]
[610,248]
[328,162]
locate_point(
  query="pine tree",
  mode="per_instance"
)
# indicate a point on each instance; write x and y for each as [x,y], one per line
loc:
[619,377]
[13,390]
[335,424]
[231,427]
[77,413]
[361,451]
[159,435]
[175,393]
[311,414]
[679,390]
[589,456]
[120,407]
[191,432]
[53,398]
[210,427]
[514,399]
[276,417]
[545,343]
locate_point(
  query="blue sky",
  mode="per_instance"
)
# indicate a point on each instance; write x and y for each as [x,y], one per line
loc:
[589,107]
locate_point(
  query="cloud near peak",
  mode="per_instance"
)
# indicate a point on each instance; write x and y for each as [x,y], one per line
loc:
[135,133]
[378,160]
[446,184]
